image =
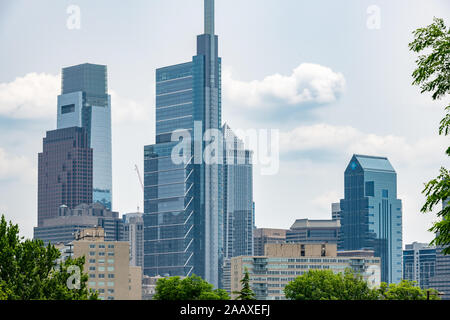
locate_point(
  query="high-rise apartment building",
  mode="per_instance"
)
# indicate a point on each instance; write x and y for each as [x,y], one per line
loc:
[419,263]
[183,200]
[371,214]
[263,236]
[310,231]
[64,172]
[85,102]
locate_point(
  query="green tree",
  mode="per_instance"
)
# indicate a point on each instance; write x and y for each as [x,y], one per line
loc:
[405,290]
[433,75]
[190,288]
[3,293]
[28,270]
[246,292]
[326,285]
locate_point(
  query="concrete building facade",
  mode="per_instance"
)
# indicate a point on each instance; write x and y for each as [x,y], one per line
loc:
[282,263]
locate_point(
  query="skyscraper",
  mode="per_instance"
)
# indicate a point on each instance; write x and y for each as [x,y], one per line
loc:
[371,214]
[85,102]
[183,201]
[238,218]
[64,172]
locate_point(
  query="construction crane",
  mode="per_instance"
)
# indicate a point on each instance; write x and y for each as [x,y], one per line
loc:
[139,176]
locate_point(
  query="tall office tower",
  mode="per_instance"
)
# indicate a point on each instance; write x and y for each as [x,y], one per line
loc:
[183,201]
[263,236]
[238,218]
[133,232]
[419,262]
[335,211]
[371,214]
[84,102]
[314,231]
[64,172]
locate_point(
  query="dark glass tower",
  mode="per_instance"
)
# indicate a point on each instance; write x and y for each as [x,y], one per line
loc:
[371,214]
[183,202]
[85,102]
[64,172]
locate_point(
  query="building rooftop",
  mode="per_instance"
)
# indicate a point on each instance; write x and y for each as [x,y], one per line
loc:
[307,223]
[374,163]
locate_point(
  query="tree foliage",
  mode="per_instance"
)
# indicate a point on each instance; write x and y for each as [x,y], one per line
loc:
[190,288]
[433,75]
[405,290]
[246,292]
[326,285]
[29,271]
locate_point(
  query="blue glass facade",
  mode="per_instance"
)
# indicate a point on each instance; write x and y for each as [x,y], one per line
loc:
[371,214]
[238,218]
[85,102]
[183,202]
[419,263]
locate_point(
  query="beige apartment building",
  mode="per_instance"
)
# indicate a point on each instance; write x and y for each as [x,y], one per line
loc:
[282,263]
[262,236]
[107,264]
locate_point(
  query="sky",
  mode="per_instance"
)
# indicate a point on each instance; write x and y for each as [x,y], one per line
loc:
[333,77]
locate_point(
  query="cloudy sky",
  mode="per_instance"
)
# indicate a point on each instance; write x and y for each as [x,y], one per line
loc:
[334,77]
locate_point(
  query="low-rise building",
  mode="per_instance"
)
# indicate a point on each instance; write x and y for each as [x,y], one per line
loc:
[282,263]
[262,236]
[107,264]
[64,227]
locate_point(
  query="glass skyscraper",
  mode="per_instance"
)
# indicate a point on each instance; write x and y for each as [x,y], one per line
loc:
[371,214]
[85,102]
[64,172]
[183,202]
[238,218]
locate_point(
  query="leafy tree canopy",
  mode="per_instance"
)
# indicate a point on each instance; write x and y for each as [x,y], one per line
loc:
[326,285]
[29,271]
[433,75]
[405,290]
[190,288]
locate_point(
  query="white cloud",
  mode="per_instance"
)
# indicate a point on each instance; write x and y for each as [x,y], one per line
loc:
[17,168]
[415,161]
[31,96]
[127,110]
[308,83]
[348,140]
[323,202]
[34,96]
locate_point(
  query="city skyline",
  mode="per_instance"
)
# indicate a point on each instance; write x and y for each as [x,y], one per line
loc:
[306,138]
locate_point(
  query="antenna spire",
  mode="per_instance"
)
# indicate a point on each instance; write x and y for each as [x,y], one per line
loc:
[209,17]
